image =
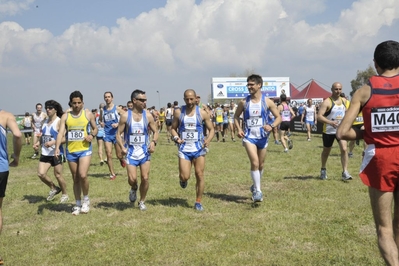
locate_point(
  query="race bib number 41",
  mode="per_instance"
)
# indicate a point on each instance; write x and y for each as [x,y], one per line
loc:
[384,119]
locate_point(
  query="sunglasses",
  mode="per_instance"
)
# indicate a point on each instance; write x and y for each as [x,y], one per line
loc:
[141,100]
[50,107]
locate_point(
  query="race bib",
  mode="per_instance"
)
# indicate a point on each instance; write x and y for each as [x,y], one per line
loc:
[359,119]
[109,117]
[190,136]
[46,138]
[76,135]
[255,121]
[136,139]
[385,119]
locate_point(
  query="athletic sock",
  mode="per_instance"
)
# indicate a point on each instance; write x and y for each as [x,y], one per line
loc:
[256,179]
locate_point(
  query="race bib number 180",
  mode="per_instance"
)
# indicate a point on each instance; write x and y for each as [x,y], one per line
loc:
[76,135]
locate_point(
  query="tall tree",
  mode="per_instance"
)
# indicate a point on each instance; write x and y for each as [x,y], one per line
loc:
[362,78]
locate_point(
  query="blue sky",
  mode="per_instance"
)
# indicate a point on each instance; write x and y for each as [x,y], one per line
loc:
[50,48]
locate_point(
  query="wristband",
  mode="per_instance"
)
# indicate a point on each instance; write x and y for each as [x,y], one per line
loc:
[92,135]
[175,138]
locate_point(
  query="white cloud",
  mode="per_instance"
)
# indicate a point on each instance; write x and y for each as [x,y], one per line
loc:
[14,7]
[366,17]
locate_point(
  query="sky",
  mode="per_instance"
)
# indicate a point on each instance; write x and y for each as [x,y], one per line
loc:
[50,48]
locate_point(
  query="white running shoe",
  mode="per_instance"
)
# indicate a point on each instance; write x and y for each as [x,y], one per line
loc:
[64,198]
[346,176]
[76,210]
[142,206]
[52,193]
[85,207]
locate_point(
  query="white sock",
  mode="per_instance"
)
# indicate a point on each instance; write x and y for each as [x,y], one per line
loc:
[256,179]
[86,198]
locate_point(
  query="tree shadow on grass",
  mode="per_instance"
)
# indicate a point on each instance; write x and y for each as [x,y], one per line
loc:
[170,202]
[234,198]
[33,198]
[119,205]
[61,207]
[303,177]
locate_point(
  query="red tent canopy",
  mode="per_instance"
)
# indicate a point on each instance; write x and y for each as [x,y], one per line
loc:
[312,90]
[294,91]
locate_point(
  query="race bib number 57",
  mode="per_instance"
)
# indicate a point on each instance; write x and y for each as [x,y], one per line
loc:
[255,121]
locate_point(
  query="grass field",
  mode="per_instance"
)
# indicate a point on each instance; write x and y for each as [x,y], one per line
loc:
[302,220]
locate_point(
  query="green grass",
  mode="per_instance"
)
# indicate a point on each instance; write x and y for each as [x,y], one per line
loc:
[302,220]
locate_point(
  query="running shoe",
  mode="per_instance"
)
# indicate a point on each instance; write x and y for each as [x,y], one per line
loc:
[198,207]
[123,163]
[346,176]
[101,163]
[257,196]
[76,210]
[350,155]
[52,193]
[112,177]
[64,198]
[133,195]
[252,188]
[308,139]
[290,144]
[142,206]
[323,174]
[183,184]
[277,142]
[285,150]
[85,207]
[34,156]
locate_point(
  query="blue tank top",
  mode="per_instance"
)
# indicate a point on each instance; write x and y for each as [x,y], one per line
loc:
[3,150]
[191,131]
[136,136]
[110,117]
[256,115]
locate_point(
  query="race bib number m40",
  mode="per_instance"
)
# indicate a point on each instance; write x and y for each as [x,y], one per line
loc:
[384,119]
